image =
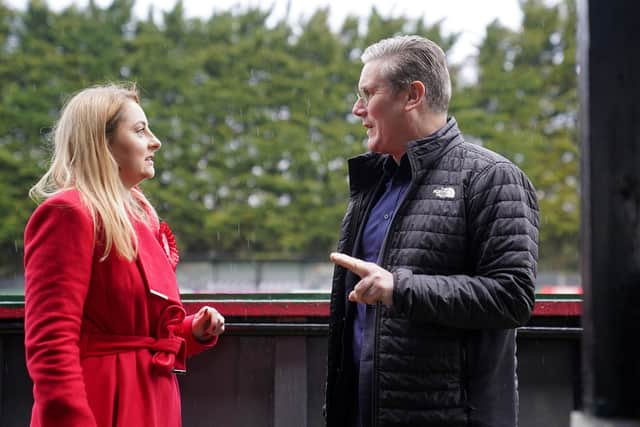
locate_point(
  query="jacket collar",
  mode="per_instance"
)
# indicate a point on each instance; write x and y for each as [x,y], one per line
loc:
[423,153]
[367,169]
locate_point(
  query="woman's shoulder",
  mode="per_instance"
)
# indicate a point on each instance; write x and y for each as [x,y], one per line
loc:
[69,196]
[68,203]
[59,226]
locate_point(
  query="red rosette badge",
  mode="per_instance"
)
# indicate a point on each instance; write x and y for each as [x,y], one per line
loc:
[168,242]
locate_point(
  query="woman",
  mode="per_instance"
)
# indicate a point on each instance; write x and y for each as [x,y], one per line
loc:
[105,331]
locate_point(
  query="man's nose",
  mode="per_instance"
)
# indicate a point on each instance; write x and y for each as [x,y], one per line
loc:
[358,108]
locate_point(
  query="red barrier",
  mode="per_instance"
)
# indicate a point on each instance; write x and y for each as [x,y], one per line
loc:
[304,308]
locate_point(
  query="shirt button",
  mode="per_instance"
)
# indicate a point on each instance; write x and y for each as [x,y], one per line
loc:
[386,216]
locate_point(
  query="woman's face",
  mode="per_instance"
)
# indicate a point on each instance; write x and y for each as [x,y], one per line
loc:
[133,145]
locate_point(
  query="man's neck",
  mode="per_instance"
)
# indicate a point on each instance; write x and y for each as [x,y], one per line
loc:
[421,127]
[429,124]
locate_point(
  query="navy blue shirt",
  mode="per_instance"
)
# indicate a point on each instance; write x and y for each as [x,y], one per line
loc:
[396,180]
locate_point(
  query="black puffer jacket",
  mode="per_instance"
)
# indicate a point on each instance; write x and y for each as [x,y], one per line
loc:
[463,249]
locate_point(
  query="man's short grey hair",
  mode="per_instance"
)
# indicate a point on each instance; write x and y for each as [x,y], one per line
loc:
[410,58]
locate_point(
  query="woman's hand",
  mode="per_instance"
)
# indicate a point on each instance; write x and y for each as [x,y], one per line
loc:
[207,323]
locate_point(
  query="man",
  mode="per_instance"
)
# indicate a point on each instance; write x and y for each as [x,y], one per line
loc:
[437,259]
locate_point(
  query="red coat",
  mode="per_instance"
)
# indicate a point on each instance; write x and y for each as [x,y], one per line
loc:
[101,337]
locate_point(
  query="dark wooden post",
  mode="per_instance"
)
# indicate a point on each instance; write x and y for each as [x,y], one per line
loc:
[609,89]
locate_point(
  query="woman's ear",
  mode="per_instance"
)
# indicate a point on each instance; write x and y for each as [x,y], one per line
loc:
[415,95]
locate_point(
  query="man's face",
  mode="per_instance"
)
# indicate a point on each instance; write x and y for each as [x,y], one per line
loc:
[381,111]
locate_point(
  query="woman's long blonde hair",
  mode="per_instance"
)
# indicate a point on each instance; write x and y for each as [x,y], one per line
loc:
[82,160]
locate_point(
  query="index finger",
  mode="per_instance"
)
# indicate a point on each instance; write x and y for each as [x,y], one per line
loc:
[354,264]
[207,320]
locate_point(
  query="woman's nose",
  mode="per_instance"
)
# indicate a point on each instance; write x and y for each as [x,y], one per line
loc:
[155,142]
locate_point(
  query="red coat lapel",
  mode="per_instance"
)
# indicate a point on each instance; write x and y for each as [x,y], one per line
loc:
[154,264]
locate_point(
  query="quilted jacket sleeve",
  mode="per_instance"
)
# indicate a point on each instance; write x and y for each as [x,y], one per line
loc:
[58,259]
[502,228]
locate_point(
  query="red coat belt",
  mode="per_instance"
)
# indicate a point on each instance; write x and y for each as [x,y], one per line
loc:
[169,354]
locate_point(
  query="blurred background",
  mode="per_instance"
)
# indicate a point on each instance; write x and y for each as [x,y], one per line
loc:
[252,101]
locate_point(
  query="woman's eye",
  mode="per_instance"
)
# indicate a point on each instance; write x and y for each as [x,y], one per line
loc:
[140,131]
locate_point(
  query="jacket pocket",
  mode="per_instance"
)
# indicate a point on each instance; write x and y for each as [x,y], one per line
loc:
[422,368]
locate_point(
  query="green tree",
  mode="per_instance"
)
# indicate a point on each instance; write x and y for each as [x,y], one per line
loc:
[524,107]
[255,118]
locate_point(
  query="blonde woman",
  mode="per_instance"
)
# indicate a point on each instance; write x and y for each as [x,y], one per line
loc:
[105,331]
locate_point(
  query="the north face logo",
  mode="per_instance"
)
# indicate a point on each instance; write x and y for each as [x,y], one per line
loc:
[444,193]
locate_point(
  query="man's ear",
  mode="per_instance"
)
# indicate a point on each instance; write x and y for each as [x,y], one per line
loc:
[415,95]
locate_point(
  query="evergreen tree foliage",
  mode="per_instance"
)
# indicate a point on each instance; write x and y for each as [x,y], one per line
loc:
[524,106]
[256,122]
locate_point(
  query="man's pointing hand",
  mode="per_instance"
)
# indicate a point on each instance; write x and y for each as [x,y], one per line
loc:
[376,283]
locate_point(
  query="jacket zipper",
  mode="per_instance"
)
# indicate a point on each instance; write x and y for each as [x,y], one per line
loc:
[352,230]
[376,355]
[382,262]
